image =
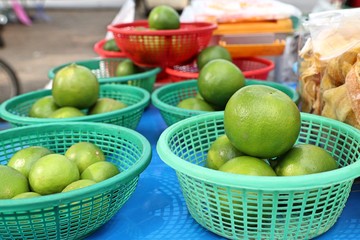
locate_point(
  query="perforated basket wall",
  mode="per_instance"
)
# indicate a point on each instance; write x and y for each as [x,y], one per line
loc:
[105,71]
[74,214]
[16,110]
[166,98]
[251,67]
[253,207]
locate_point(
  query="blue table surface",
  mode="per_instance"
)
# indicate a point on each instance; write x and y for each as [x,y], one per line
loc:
[157,209]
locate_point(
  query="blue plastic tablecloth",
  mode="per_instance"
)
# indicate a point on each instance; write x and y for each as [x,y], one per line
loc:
[157,209]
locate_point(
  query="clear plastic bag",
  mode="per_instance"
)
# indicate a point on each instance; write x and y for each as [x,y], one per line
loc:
[329,81]
[334,32]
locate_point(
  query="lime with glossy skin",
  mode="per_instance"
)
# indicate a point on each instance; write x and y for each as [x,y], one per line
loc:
[52,173]
[84,154]
[67,112]
[103,105]
[75,86]
[221,151]
[195,104]
[262,121]
[100,171]
[78,184]
[304,159]
[26,195]
[164,17]
[23,159]
[43,107]
[110,45]
[218,80]
[212,53]
[12,182]
[126,68]
[247,165]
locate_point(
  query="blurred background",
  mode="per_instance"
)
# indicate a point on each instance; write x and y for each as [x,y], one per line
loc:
[54,32]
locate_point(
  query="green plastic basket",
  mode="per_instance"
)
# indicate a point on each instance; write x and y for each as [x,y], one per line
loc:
[166,98]
[105,69]
[16,109]
[261,207]
[74,214]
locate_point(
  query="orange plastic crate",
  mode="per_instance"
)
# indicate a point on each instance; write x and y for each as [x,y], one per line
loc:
[247,50]
[274,46]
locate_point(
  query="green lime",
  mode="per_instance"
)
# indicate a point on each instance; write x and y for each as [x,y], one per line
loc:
[304,159]
[43,107]
[211,53]
[195,104]
[262,121]
[26,195]
[110,45]
[52,173]
[248,166]
[126,68]
[164,17]
[100,171]
[23,159]
[218,80]
[103,105]
[67,112]
[78,184]
[221,151]
[12,182]
[75,86]
[84,154]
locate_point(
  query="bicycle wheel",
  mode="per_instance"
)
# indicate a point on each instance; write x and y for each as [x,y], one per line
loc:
[9,84]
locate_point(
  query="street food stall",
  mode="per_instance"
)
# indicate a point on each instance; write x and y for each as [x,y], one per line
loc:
[247,157]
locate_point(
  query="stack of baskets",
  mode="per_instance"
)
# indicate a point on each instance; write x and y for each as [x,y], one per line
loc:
[78,213]
[172,50]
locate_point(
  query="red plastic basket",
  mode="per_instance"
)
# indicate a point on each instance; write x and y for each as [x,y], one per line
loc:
[162,48]
[252,67]
[98,48]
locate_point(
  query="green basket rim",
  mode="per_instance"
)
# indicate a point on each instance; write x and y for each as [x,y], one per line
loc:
[13,118]
[78,194]
[258,182]
[155,100]
[149,72]
[158,103]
